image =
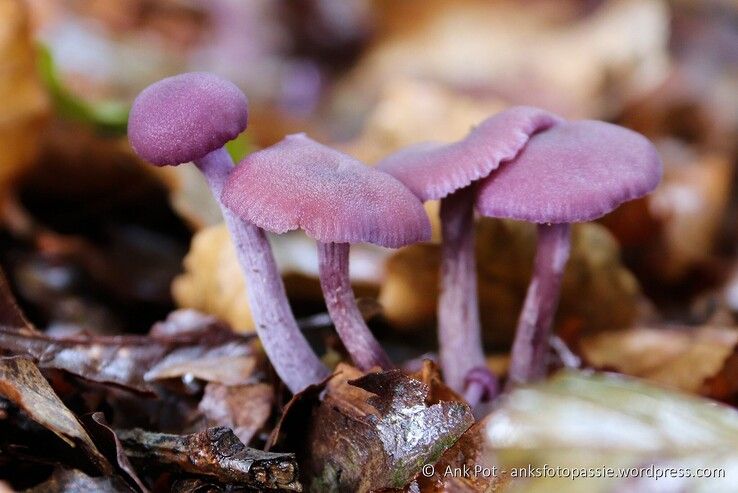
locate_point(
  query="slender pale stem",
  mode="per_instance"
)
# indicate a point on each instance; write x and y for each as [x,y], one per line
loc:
[481,385]
[289,352]
[528,358]
[459,330]
[339,298]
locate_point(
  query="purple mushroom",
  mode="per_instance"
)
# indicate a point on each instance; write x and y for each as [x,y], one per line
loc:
[301,184]
[449,172]
[190,117]
[572,172]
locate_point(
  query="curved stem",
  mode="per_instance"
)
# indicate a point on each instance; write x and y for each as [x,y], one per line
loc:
[459,330]
[528,357]
[289,352]
[339,298]
[481,386]
[474,394]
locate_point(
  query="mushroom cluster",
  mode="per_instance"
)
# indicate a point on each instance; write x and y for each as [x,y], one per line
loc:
[523,163]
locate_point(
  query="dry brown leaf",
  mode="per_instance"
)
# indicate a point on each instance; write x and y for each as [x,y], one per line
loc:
[698,102]
[187,344]
[11,315]
[67,480]
[672,237]
[505,252]
[404,109]
[690,203]
[23,102]
[243,408]
[400,118]
[689,359]
[453,471]
[212,281]
[22,383]
[548,56]
[430,375]
[401,115]
[111,446]
[191,196]
[369,432]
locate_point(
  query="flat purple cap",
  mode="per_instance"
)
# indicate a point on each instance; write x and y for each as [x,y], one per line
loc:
[433,171]
[572,172]
[183,118]
[299,183]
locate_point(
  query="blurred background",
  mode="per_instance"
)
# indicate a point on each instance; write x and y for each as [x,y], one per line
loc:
[92,239]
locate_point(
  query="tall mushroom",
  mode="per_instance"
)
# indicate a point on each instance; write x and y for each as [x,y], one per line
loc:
[337,200]
[572,172]
[190,117]
[449,172]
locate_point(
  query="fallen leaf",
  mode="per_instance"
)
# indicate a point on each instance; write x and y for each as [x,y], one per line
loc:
[111,445]
[191,197]
[455,471]
[215,453]
[698,102]
[213,283]
[672,238]
[23,384]
[683,358]
[551,56]
[66,480]
[207,350]
[230,363]
[109,116]
[196,486]
[430,375]
[690,204]
[23,102]
[243,408]
[505,251]
[597,421]
[368,433]
[404,108]
[10,313]
[189,192]
[119,359]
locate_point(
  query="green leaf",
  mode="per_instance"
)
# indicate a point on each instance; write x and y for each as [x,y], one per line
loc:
[110,116]
[239,147]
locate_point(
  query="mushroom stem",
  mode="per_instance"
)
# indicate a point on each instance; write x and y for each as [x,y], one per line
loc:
[481,386]
[339,297]
[289,352]
[528,357]
[459,330]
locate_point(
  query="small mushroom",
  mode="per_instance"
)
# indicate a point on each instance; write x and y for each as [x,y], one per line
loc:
[190,117]
[301,184]
[449,172]
[572,172]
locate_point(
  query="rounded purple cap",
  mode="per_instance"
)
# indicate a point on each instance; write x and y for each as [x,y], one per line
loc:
[572,172]
[433,170]
[301,184]
[183,118]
